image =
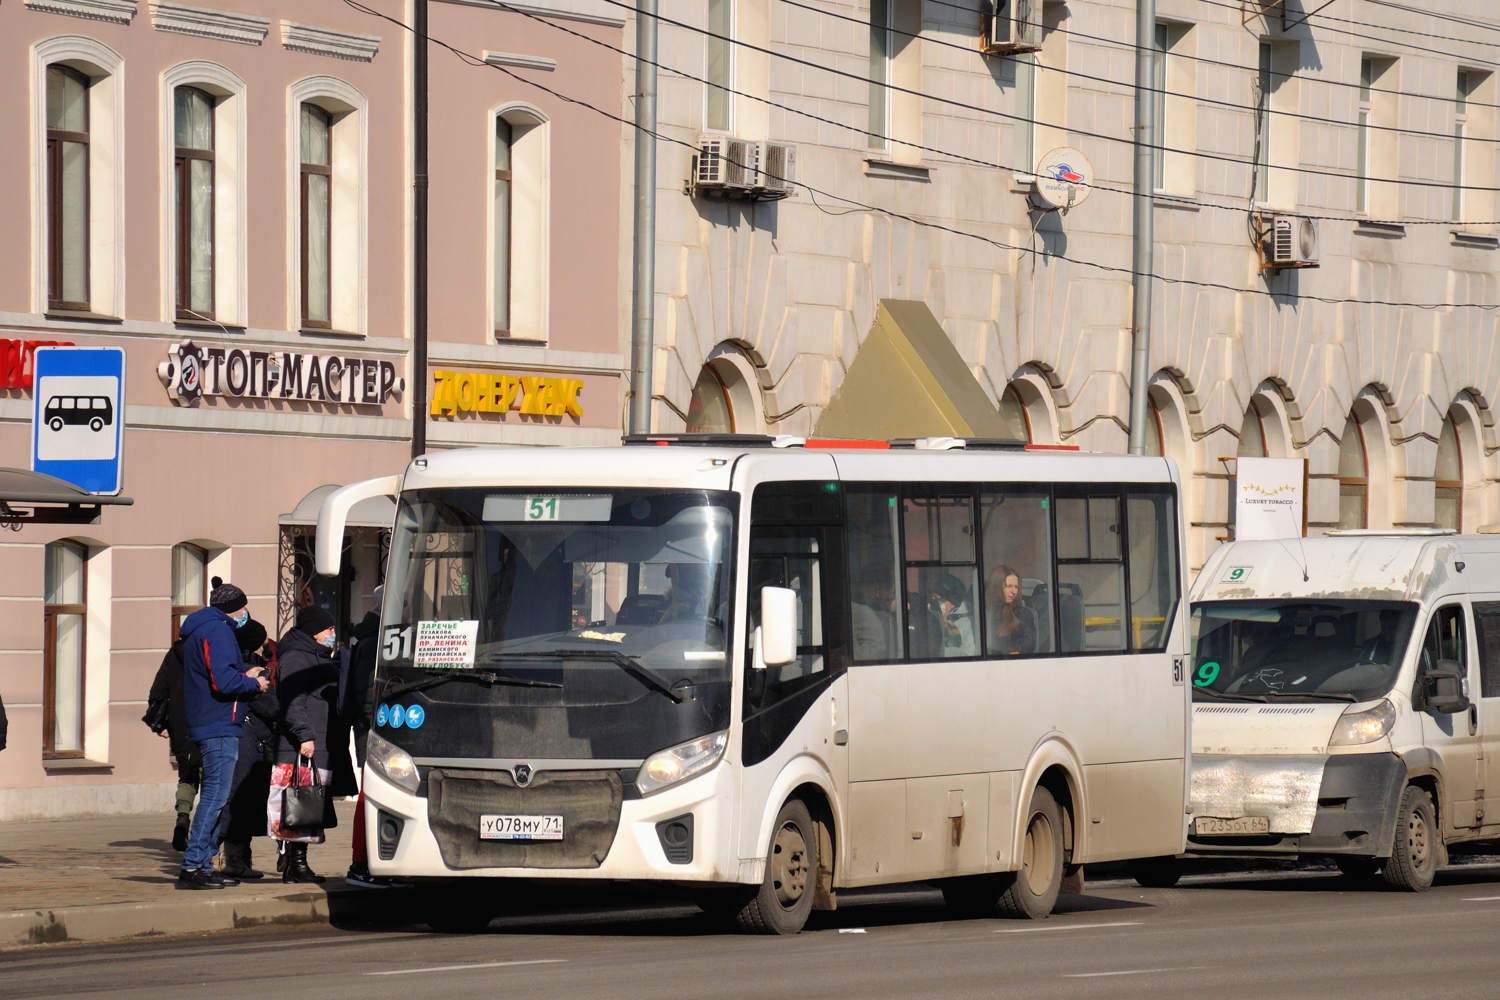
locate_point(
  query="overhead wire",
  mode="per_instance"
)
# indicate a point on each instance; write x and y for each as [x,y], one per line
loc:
[478,62]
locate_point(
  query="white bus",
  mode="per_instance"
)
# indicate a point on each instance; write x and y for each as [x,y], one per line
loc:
[770,672]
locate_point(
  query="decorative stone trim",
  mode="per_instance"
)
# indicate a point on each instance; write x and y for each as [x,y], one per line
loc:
[516,61]
[1475,241]
[206,22]
[117,11]
[1382,230]
[328,42]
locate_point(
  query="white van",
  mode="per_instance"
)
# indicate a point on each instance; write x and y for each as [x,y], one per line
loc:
[1346,700]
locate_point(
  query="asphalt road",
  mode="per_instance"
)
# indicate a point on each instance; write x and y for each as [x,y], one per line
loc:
[1251,935]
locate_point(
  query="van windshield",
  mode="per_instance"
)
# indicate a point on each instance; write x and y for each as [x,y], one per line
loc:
[1298,650]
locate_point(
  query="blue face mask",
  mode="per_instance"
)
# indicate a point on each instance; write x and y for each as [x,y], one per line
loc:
[331,641]
[241,619]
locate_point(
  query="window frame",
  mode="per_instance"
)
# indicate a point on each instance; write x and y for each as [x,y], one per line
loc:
[721,92]
[304,171]
[181,611]
[1462,89]
[182,158]
[50,614]
[1161,44]
[503,331]
[1265,77]
[1348,484]
[56,138]
[883,57]
[1450,489]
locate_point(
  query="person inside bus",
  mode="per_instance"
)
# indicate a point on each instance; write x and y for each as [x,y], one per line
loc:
[687,600]
[1014,624]
[873,616]
[950,599]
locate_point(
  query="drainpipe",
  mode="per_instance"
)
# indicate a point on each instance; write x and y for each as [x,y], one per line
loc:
[1145,207]
[644,317]
[419,232]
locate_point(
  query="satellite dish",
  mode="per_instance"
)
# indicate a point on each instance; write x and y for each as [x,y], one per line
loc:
[1064,178]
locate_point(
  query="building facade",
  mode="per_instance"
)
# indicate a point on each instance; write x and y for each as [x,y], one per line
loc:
[224,191]
[916,159]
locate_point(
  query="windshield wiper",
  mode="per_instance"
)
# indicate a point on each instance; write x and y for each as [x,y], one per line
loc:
[1227,696]
[629,664]
[489,677]
[1317,695]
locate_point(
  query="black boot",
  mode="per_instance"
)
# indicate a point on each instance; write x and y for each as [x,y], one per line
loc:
[180,832]
[237,861]
[296,865]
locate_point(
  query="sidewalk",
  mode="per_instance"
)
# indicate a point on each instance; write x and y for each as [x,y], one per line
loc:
[111,877]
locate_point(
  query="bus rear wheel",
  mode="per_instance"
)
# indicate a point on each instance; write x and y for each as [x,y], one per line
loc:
[785,898]
[1033,891]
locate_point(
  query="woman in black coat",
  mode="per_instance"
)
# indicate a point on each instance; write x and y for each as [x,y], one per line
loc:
[307,686]
[245,816]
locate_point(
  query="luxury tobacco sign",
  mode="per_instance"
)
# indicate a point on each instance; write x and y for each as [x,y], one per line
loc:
[192,372]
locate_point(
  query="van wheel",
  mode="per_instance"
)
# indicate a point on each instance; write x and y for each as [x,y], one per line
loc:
[1033,890]
[785,898]
[1155,873]
[1413,861]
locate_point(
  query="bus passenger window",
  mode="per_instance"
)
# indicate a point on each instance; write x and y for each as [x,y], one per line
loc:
[1017,534]
[1153,569]
[874,574]
[1090,575]
[942,577]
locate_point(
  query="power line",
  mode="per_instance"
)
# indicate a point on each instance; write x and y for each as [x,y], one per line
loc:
[475,61]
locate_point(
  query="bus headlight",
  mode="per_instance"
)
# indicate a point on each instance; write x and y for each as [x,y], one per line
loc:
[391,762]
[1358,728]
[670,766]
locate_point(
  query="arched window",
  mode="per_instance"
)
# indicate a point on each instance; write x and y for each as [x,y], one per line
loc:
[1252,433]
[64,615]
[1353,477]
[520,219]
[193,138]
[67,188]
[710,411]
[317,209]
[189,583]
[328,199]
[1447,501]
[1013,415]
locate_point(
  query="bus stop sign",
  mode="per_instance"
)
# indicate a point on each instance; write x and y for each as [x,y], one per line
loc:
[78,416]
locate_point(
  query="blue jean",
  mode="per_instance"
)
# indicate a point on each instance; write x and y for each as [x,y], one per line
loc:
[219,755]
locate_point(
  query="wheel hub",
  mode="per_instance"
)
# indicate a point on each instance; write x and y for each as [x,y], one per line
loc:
[789,865]
[1416,828]
[1037,854]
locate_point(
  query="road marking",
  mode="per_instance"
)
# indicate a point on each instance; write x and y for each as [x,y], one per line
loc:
[1130,972]
[1480,899]
[457,968]
[1067,927]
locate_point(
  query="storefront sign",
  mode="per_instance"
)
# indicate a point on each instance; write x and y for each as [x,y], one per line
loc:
[1268,498]
[192,372]
[497,392]
[18,361]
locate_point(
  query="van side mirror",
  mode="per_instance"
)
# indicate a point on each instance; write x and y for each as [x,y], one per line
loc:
[1444,685]
[776,637]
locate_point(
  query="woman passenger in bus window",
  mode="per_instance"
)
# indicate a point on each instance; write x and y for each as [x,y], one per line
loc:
[1013,623]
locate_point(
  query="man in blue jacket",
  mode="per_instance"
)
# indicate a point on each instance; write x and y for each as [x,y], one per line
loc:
[215,682]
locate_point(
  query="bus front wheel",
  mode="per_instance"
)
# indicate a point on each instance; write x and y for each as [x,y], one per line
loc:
[785,898]
[1034,890]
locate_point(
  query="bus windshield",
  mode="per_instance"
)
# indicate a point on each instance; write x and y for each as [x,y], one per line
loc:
[1299,650]
[562,624]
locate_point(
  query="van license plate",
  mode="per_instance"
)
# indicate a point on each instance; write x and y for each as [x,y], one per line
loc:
[1240,826]
[510,827]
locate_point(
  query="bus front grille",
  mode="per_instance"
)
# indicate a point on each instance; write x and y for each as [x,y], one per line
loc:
[588,802]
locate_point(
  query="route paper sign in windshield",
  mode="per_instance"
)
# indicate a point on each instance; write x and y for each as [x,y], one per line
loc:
[446,645]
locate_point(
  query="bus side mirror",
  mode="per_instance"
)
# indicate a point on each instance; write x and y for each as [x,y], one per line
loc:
[1445,688]
[776,638]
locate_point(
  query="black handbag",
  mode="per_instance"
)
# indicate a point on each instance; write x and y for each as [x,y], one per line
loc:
[303,805]
[158,713]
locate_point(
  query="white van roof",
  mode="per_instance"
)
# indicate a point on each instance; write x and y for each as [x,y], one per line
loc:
[1397,566]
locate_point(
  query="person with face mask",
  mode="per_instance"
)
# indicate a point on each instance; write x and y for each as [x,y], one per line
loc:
[308,686]
[215,685]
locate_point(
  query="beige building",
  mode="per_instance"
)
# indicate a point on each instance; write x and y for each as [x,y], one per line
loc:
[223,191]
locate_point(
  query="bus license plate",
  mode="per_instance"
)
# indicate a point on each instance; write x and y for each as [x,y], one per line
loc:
[520,827]
[1240,826]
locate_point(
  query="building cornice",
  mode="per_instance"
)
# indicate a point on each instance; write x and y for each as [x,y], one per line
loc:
[329,42]
[116,11]
[206,22]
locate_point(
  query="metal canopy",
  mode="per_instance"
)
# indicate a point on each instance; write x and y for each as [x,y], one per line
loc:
[373,512]
[35,498]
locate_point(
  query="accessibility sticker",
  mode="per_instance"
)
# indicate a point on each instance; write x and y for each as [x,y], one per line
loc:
[398,716]
[382,715]
[415,717]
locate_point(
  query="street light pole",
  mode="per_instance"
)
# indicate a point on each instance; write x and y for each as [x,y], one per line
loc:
[419,232]
[643,318]
[1145,208]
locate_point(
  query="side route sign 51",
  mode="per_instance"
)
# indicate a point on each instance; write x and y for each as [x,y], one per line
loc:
[78,416]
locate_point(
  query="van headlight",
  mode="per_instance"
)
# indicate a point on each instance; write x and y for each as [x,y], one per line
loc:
[391,762]
[1366,726]
[667,767]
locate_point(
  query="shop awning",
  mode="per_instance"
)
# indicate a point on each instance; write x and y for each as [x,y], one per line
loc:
[34,498]
[908,381]
[373,512]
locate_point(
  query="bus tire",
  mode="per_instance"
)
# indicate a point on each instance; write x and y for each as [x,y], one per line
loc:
[974,895]
[1155,873]
[785,898]
[1414,855]
[1033,890]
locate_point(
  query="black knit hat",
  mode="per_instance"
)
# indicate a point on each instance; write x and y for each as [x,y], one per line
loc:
[226,597]
[251,636]
[313,619]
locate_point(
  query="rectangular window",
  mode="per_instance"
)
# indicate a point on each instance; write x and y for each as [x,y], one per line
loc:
[1152,533]
[503,144]
[189,583]
[1090,574]
[720,56]
[942,576]
[64,614]
[317,206]
[67,189]
[1460,124]
[881,51]
[1017,532]
[1362,139]
[1163,44]
[194,175]
[1025,123]
[1487,625]
[875,611]
[1263,124]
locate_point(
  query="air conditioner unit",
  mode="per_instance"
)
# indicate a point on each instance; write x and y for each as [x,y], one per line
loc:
[1293,243]
[726,166]
[1011,27]
[778,170]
